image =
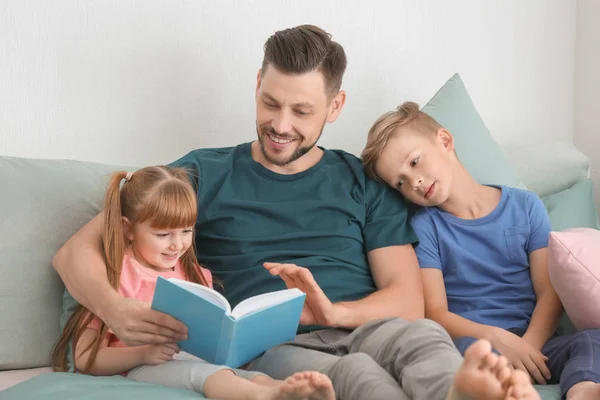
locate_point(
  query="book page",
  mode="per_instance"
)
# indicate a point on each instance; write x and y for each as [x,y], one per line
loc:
[263,301]
[205,292]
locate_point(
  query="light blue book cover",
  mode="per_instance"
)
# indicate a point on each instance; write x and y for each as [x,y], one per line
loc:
[220,335]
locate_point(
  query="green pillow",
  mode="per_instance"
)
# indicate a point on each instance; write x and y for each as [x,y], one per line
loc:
[573,207]
[479,153]
[43,203]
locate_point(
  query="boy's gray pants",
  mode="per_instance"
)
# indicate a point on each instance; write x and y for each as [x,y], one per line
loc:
[391,359]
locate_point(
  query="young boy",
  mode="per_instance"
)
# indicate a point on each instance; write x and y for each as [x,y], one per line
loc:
[483,254]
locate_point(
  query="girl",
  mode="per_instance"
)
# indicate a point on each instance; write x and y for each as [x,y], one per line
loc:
[148,232]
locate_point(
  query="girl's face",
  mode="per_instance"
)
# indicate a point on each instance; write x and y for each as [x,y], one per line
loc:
[158,248]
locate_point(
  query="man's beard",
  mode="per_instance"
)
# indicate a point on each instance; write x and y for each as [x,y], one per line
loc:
[299,152]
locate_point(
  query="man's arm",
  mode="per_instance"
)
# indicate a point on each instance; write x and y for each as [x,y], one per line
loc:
[86,281]
[399,292]
[396,275]
[548,308]
[81,266]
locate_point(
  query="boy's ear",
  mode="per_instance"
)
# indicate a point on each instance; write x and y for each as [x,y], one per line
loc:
[446,139]
[127,228]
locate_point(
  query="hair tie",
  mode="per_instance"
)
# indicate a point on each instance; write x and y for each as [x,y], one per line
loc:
[128,176]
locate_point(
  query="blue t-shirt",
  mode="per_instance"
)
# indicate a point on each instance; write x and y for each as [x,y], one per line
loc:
[326,218]
[485,261]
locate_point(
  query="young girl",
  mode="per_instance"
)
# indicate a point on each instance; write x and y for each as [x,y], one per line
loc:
[148,232]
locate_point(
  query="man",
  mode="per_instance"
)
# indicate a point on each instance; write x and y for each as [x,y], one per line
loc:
[282,201]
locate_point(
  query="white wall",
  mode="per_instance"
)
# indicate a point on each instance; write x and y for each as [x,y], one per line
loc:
[587,86]
[144,81]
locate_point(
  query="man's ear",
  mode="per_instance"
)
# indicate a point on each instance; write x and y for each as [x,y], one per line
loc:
[258,79]
[336,105]
[127,228]
[446,139]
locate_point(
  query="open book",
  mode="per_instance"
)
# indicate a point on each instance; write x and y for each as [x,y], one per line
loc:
[223,336]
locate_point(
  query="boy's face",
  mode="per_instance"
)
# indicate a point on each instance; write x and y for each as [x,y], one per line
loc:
[418,165]
[291,111]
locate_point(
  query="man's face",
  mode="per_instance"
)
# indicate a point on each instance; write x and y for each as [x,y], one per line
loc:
[291,111]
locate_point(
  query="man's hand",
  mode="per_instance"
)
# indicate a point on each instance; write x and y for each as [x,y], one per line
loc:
[155,354]
[318,309]
[134,323]
[521,354]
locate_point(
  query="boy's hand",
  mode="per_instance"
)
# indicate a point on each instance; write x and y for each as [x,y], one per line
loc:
[318,309]
[521,354]
[155,354]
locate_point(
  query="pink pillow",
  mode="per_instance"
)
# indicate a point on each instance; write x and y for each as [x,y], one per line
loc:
[574,267]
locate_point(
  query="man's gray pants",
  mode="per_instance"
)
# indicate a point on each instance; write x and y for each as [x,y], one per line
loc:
[391,359]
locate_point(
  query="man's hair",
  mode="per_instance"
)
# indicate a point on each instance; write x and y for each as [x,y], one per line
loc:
[303,49]
[407,114]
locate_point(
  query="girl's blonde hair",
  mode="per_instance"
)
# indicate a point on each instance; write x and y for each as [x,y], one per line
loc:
[407,114]
[160,194]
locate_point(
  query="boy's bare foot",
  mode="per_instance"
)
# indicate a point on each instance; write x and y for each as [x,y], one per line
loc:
[302,386]
[482,376]
[584,391]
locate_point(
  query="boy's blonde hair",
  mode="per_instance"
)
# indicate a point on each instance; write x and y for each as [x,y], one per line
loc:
[407,114]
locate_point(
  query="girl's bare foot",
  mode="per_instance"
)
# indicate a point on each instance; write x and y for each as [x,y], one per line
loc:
[302,386]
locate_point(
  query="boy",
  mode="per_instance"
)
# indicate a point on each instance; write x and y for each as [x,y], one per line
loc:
[483,254]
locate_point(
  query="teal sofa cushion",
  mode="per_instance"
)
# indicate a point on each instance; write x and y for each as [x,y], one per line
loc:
[453,108]
[67,386]
[573,207]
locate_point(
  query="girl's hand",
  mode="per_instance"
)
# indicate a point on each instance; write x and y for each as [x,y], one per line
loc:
[155,354]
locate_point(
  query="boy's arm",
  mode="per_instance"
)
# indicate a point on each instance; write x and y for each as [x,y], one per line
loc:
[519,353]
[548,308]
[436,308]
[81,266]
[109,360]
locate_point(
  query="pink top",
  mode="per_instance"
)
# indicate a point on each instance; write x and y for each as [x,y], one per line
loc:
[139,282]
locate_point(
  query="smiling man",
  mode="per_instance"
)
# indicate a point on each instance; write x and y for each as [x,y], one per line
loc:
[280,202]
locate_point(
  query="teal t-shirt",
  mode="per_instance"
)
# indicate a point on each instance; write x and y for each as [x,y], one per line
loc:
[326,219]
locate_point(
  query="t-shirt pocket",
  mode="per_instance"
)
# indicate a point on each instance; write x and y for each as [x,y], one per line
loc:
[516,242]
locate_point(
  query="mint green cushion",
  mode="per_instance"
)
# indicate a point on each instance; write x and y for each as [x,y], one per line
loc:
[573,207]
[66,386]
[43,203]
[549,392]
[452,108]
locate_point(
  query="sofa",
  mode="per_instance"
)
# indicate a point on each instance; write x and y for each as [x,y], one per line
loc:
[44,202]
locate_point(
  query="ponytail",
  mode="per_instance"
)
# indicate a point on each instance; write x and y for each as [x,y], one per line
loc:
[113,243]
